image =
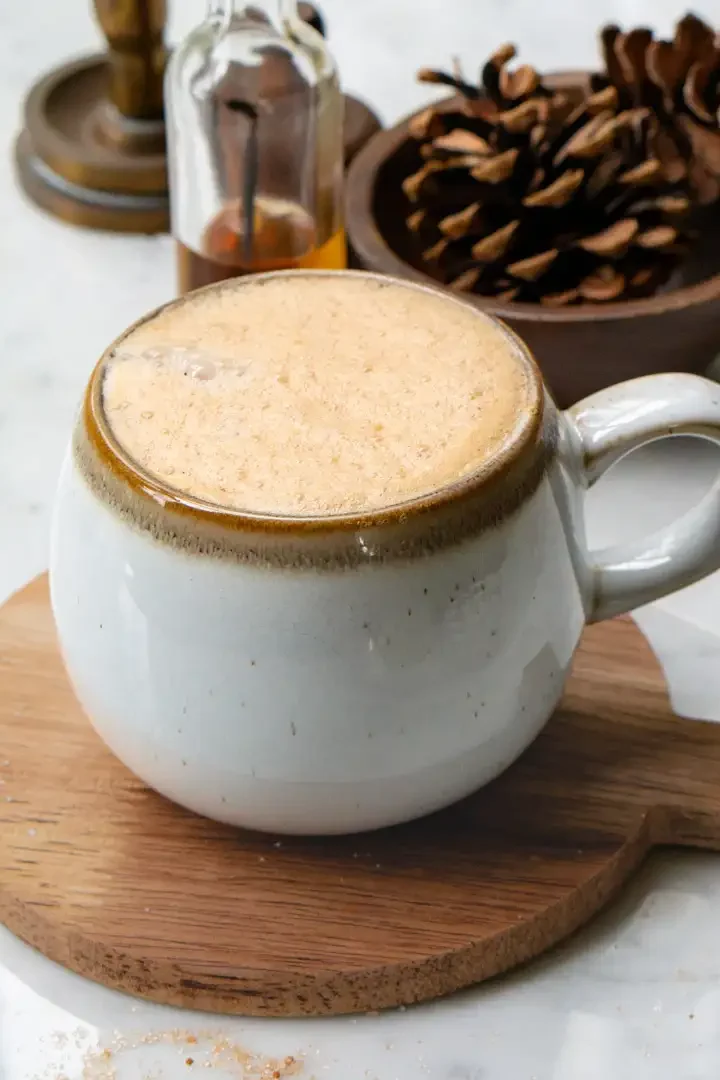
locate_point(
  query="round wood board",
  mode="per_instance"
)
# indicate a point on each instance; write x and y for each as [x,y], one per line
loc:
[115,882]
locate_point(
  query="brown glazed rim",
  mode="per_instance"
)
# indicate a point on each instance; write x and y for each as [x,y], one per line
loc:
[523,442]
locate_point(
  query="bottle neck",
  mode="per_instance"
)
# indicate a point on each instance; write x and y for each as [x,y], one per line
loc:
[275,12]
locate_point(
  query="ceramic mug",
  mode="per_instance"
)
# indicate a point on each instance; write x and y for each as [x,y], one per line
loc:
[328,675]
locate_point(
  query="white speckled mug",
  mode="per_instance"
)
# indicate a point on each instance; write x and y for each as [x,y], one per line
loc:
[329,675]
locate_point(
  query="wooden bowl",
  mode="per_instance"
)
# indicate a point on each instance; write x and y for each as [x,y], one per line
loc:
[579,349]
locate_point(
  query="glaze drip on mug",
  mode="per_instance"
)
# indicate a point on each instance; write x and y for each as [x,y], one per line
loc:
[316,395]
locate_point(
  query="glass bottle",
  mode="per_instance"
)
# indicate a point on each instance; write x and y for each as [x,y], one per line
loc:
[254,118]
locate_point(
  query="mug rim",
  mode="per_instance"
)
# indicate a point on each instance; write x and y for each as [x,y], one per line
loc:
[521,443]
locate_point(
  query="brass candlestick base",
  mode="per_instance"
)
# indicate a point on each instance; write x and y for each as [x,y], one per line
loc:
[92,151]
[82,160]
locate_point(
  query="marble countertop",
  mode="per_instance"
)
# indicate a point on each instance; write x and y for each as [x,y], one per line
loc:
[636,994]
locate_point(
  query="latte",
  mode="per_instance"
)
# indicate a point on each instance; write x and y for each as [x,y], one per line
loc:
[314,394]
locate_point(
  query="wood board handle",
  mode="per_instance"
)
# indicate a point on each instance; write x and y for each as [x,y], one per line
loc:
[645,761]
[689,814]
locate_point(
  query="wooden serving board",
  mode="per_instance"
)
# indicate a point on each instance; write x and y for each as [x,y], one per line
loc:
[113,881]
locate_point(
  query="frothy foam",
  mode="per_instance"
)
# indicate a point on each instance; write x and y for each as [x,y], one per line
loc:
[314,395]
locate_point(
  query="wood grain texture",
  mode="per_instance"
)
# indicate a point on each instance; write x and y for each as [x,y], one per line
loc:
[113,881]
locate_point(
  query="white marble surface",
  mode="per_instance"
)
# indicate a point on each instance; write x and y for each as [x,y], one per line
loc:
[635,995]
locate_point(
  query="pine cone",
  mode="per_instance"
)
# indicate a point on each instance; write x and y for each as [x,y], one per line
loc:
[525,195]
[679,81]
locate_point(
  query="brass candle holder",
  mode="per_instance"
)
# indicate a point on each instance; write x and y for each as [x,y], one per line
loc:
[92,149]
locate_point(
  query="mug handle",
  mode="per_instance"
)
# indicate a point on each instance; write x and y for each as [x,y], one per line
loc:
[609,424]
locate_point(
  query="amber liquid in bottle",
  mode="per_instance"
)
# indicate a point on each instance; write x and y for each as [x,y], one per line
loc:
[255,145]
[284,238]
